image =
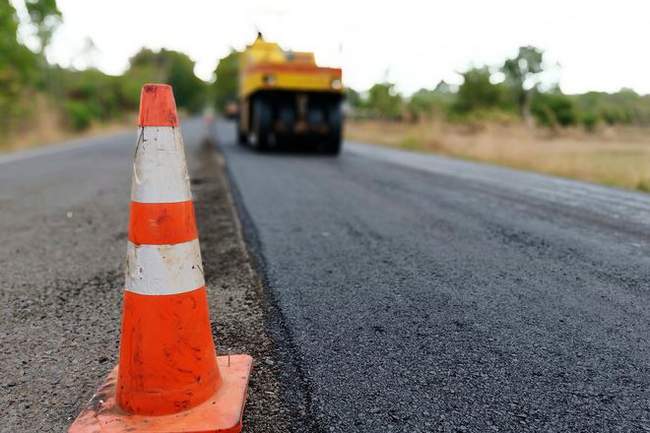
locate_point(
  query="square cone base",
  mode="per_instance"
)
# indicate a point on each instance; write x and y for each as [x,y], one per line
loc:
[220,413]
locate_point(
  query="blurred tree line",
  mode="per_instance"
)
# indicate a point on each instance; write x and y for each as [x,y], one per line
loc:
[226,81]
[511,91]
[90,95]
[80,97]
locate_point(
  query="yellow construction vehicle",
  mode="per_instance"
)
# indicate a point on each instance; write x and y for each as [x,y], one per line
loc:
[285,98]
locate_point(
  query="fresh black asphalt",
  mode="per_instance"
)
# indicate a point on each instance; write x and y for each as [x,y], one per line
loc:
[418,294]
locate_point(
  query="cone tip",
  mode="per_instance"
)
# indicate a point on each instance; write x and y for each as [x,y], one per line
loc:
[157,106]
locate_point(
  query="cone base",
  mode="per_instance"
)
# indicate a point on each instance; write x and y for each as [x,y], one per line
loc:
[220,413]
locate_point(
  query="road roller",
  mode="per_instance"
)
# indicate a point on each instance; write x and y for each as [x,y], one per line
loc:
[285,99]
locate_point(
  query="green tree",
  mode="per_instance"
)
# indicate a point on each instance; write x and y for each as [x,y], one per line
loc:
[18,68]
[226,80]
[478,92]
[590,120]
[421,103]
[554,109]
[189,90]
[17,63]
[353,98]
[46,17]
[426,102]
[171,67]
[522,76]
[384,101]
[622,107]
[90,95]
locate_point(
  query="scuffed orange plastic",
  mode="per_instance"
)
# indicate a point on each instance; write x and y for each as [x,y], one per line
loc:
[221,413]
[167,361]
[157,106]
[162,223]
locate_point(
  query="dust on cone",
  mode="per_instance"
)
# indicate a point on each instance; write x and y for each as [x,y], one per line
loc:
[169,378]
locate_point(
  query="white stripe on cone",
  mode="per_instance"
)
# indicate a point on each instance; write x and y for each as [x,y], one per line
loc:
[164,269]
[159,170]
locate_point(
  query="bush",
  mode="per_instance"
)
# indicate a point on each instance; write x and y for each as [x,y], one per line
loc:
[479,93]
[226,80]
[171,67]
[384,101]
[553,109]
[590,121]
[622,107]
[78,114]
[425,102]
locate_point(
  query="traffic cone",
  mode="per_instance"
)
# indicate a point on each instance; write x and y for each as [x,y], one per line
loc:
[169,378]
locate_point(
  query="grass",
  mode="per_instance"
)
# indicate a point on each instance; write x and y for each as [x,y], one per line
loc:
[617,157]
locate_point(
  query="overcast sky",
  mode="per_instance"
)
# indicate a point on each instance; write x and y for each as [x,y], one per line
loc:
[600,45]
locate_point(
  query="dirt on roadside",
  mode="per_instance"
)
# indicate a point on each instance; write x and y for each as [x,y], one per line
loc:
[236,294]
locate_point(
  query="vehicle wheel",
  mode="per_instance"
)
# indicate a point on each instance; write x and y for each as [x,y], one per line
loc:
[262,119]
[241,137]
[332,145]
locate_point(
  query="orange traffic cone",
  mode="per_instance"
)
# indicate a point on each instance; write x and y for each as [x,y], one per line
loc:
[168,378]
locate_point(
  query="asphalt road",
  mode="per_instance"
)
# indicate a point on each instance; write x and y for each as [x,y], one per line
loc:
[401,292]
[416,293]
[63,244]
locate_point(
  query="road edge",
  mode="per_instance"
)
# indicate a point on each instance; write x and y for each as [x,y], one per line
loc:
[295,387]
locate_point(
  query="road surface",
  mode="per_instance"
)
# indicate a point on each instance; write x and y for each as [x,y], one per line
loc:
[418,293]
[63,226]
[402,292]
